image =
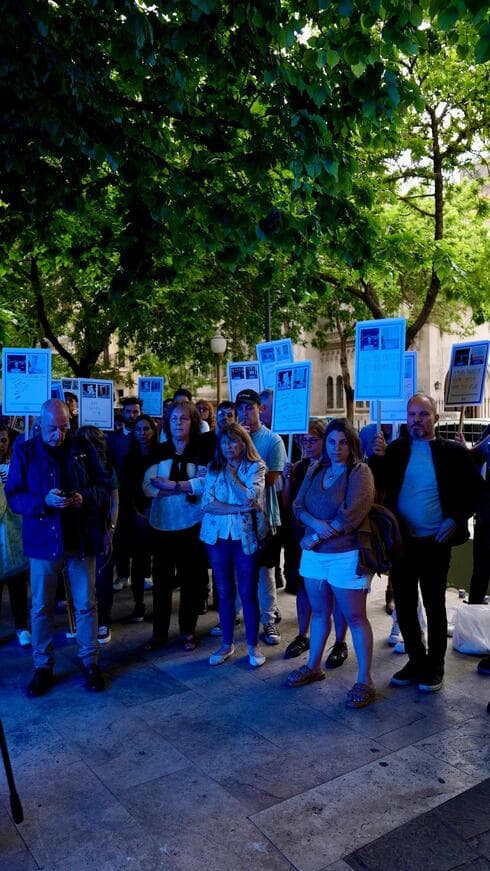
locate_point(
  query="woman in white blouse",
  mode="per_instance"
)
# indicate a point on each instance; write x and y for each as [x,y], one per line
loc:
[232,503]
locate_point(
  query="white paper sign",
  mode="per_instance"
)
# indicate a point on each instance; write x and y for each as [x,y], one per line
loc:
[291,405]
[270,355]
[70,385]
[380,359]
[395,411]
[244,375]
[26,381]
[96,403]
[57,391]
[150,391]
[467,371]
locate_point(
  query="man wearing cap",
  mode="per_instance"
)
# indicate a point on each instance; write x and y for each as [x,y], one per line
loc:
[271,448]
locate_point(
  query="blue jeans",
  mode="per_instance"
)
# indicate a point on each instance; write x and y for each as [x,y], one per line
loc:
[228,561]
[44,579]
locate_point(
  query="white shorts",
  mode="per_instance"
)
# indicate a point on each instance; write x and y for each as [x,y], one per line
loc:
[339,569]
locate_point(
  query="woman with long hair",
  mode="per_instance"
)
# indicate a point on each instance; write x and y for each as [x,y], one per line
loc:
[174,485]
[13,564]
[334,499]
[206,412]
[233,508]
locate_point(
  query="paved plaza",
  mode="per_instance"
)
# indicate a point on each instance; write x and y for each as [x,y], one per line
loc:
[182,766]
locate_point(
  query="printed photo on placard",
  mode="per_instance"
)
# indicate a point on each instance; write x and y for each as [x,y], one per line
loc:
[150,391]
[96,403]
[26,380]
[380,359]
[395,411]
[467,372]
[242,375]
[57,391]
[291,403]
[270,355]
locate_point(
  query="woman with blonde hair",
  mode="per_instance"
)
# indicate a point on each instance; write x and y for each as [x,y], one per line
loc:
[231,529]
[206,413]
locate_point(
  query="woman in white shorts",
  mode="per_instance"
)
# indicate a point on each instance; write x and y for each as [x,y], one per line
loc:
[334,499]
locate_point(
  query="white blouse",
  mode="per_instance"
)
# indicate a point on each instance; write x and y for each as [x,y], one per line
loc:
[222,486]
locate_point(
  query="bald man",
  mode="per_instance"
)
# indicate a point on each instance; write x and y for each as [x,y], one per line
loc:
[58,486]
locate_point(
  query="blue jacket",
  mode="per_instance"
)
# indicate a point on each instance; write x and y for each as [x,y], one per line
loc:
[33,473]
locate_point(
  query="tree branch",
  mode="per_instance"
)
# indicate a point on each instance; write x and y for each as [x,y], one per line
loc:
[44,321]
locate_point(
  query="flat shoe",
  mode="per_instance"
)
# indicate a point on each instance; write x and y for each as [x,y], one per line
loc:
[189,644]
[360,695]
[298,645]
[221,655]
[337,655]
[304,675]
[154,644]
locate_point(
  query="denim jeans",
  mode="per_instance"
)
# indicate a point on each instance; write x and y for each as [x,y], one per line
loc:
[103,587]
[44,579]
[228,561]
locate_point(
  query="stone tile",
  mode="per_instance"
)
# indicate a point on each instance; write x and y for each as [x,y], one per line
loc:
[145,756]
[481,844]
[465,746]
[468,815]
[421,843]
[14,855]
[357,807]
[338,866]
[36,748]
[107,850]
[69,802]
[141,683]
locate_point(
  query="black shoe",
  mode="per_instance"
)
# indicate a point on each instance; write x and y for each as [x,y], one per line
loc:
[407,675]
[204,607]
[299,645]
[277,616]
[42,681]
[337,655]
[483,666]
[94,679]
[431,683]
[138,614]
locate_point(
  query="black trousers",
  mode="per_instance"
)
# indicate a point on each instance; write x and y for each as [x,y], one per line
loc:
[481,561]
[17,587]
[424,562]
[179,558]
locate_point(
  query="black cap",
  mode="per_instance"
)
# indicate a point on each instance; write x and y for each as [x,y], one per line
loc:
[247,396]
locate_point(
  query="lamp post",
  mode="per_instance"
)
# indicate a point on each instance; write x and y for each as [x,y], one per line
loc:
[218,347]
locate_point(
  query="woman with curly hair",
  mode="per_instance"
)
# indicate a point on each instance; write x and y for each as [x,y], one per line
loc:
[206,412]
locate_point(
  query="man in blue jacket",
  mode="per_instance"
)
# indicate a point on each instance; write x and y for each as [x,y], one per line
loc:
[58,486]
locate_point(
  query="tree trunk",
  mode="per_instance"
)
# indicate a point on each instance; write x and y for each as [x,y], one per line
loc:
[344,368]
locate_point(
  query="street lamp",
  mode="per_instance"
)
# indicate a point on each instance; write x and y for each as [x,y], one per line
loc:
[218,347]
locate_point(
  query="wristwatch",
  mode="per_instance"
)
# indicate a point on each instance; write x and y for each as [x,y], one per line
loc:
[315,537]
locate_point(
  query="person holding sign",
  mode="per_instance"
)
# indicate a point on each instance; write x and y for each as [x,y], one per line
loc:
[334,499]
[59,487]
[432,487]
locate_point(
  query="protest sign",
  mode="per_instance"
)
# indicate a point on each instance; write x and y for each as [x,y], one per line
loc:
[57,391]
[150,391]
[244,375]
[467,371]
[95,403]
[380,359]
[395,411]
[270,355]
[291,405]
[70,385]
[26,380]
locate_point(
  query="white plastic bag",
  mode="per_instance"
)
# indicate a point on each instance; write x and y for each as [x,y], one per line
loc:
[472,629]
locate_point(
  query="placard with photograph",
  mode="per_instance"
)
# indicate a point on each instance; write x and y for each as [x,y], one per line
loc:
[291,405]
[270,355]
[150,391]
[467,371]
[57,391]
[395,411]
[96,403]
[26,379]
[70,385]
[244,375]
[380,359]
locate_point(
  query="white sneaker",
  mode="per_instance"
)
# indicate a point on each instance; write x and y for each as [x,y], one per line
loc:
[399,646]
[450,630]
[70,634]
[395,634]
[24,637]
[120,583]
[104,634]
[256,657]
[221,655]
[148,583]
[216,631]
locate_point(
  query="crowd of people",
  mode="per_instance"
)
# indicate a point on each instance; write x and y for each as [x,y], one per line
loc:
[206,500]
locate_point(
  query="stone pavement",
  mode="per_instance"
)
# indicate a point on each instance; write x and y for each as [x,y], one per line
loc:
[182,766]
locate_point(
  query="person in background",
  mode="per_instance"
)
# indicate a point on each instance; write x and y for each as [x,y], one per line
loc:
[13,568]
[271,449]
[233,494]
[432,487]
[105,560]
[118,445]
[206,412]
[334,499]
[59,487]
[175,485]
[118,421]
[72,402]
[294,475]
[5,453]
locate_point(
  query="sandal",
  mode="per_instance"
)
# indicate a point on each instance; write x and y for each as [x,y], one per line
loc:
[155,644]
[190,643]
[360,695]
[304,675]
[337,655]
